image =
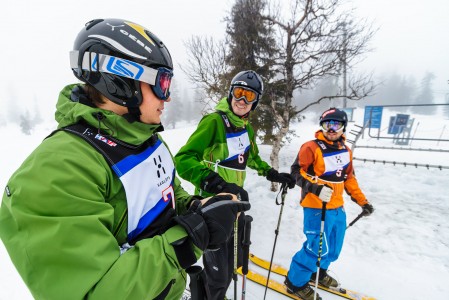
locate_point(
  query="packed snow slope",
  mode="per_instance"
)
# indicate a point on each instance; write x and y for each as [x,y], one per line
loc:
[399,252]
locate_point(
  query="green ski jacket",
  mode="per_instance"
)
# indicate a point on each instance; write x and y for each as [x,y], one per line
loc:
[63,219]
[207,145]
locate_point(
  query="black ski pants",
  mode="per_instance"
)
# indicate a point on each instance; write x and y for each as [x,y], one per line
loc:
[219,264]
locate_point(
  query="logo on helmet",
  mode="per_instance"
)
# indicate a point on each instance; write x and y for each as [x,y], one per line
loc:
[240,82]
[141,32]
[327,112]
[113,26]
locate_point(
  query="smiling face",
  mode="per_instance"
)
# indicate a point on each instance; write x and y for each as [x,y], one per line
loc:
[332,135]
[151,107]
[239,107]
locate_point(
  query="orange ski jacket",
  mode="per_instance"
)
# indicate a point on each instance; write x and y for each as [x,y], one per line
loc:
[325,162]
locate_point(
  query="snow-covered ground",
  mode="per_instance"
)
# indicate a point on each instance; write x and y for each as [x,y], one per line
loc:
[400,252]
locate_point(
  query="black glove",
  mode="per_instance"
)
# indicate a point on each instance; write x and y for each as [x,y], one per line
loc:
[368,209]
[211,224]
[214,184]
[275,176]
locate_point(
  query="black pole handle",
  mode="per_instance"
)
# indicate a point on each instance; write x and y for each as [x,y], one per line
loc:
[197,283]
[246,242]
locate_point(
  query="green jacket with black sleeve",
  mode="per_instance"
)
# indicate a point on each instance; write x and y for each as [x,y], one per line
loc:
[208,149]
[64,218]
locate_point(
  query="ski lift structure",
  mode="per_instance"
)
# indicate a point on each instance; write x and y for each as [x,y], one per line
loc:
[400,127]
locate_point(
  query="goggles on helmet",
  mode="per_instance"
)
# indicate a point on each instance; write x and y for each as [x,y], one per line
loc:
[332,126]
[161,87]
[158,78]
[240,93]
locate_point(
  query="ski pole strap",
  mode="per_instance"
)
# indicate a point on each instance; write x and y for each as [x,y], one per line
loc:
[283,192]
[246,242]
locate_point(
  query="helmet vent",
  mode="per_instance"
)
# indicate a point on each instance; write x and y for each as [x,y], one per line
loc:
[92,23]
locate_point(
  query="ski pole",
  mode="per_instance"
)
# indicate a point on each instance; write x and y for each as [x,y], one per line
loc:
[245,245]
[362,214]
[197,286]
[320,249]
[234,276]
[284,192]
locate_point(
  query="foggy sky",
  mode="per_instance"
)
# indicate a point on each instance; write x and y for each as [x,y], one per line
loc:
[38,35]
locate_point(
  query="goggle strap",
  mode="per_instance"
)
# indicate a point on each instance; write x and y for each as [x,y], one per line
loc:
[97,62]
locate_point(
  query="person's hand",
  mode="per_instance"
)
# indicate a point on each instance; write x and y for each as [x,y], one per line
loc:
[367,209]
[210,222]
[233,196]
[232,188]
[324,193]
[275,176]
[214,184]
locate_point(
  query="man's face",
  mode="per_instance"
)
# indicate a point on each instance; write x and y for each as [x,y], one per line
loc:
[151,107]
[239,107]
[332,135]
[332,129]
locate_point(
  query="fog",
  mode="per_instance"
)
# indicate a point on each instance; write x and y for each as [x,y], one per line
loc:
[38,35]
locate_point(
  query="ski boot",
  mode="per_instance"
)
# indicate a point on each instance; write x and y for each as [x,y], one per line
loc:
[325,279]
[305,292]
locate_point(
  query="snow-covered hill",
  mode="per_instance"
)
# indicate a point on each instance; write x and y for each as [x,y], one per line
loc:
[400,252]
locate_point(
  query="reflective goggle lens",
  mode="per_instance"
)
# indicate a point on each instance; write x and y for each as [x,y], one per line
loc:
[332,125]
[247,95]
[162,85]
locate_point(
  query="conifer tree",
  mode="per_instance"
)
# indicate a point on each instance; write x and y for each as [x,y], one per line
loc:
[251,47]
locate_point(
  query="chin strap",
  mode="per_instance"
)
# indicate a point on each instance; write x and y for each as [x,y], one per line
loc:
[245,116]
[133,114]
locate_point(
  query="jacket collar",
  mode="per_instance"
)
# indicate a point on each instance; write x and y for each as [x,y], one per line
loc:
[340,143]
[223,105]
[70,112]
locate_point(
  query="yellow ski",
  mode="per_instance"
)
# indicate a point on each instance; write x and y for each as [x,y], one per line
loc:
[272,284]
[278,269]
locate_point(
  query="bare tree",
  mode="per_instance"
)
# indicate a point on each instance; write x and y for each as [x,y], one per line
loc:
[313,41]
[317,39]
[206,65]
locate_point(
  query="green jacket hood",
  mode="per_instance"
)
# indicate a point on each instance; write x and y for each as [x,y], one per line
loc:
[69,112]
[223,105]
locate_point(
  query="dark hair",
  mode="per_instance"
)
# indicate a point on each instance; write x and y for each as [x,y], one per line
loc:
[94,95]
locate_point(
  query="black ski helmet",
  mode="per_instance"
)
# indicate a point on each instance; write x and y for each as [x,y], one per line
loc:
[336,115]
[136,46]
[249,80]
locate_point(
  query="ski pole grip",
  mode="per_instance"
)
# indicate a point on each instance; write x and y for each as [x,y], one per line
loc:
[196,282]
[246,242]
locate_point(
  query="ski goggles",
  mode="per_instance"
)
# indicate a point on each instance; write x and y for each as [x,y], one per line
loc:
[332,126]
[161,87]
[158,78]
[248,96]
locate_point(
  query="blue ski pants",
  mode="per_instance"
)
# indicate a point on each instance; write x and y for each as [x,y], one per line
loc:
[304,262]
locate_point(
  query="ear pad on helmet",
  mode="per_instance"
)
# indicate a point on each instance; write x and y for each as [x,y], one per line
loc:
[119,88]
